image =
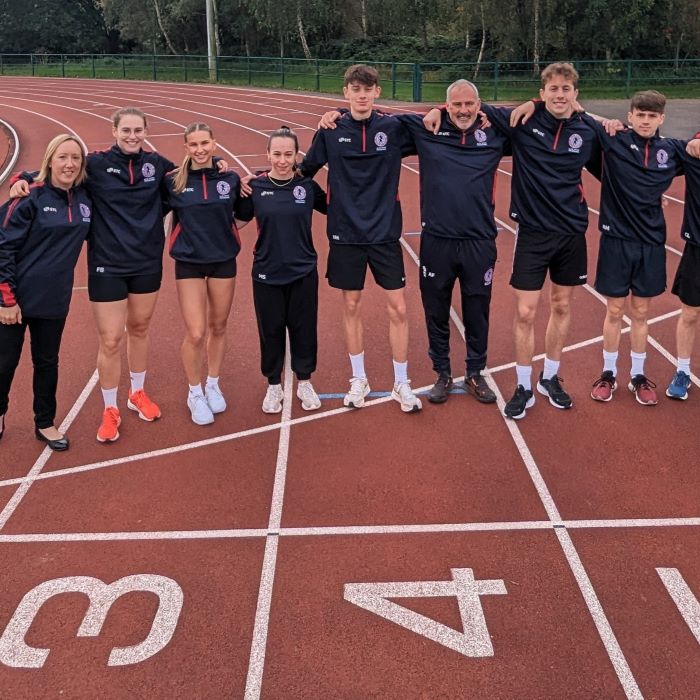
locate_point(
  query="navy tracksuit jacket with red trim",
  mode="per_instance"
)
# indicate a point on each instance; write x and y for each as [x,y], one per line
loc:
[284,251]
[635,173]
[41,236]
[364,164]
[204,230]
[548,156]
[457,177]
[690,230]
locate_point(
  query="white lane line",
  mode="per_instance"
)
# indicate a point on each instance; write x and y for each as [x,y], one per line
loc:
[15,155]
[256,665]
[127,536]
[605,631]
[44,116]
[35,471]
[687,604]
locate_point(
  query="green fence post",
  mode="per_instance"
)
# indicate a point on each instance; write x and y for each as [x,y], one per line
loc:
[282,71]
[495,80]
[123,67]
[417,78]
[63,66]
[155,70]
[318,77]
[31,58]
[2,66]
[628,80]
[393,80]
[184,67]
[94,75]
[250,73]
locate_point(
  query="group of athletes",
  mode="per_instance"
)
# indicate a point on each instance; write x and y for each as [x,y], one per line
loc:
[117,199]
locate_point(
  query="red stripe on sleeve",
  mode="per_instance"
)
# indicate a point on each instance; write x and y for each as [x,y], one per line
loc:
[7,295]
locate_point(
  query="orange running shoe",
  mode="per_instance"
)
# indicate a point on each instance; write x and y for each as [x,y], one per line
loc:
[109,427]
[139,401]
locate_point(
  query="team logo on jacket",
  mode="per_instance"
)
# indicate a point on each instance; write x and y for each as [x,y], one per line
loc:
[488,277]
[480,137]
[85,211]
[381,140]
[299,193]
[223,188]
[575,142]
[661,157]
[148,171]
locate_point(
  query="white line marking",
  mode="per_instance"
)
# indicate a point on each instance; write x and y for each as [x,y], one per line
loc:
[15,155]
[687,604]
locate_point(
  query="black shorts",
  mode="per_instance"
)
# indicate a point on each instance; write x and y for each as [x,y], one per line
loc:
[630,266]
[686,285]
[536,252]
[109,288]
[347,265]
[219,270]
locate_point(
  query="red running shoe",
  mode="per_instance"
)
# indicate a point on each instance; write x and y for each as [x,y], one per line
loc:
[643,389]
[604,386]
[139,401]
[109,427]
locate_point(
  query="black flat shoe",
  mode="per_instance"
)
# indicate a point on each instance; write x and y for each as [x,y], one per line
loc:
[56,445]
[2,432]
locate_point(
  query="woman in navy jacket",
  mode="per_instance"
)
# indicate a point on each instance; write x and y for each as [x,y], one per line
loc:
[41,237]
[204,243]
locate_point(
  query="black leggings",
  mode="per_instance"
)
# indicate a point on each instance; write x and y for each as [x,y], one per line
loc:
[45,335]
[292,306]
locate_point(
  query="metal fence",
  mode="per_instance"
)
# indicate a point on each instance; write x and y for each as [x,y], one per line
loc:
[416,82]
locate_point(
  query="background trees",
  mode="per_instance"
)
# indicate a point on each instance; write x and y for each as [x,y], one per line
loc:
[411,30]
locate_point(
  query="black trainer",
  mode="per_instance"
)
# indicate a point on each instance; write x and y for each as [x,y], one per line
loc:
[552,388]
[522,400]
[476,385]
[440,391]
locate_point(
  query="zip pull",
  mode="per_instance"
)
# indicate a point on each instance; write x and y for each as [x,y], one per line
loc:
[204,186]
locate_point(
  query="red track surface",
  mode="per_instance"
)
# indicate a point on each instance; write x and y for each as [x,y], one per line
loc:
[262,523]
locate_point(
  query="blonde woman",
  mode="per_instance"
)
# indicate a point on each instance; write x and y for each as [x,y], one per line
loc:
[41,237]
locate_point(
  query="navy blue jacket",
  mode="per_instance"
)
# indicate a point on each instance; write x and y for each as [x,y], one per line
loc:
[548,156]
[364,164]
[40,240]
[690,230]
[204,230]
[284,251]
[635,173]
[457,177]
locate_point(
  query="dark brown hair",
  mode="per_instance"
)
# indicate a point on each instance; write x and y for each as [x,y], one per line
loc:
[360,73]
[648,101]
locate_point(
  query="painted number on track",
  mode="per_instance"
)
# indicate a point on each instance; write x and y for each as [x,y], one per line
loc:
[15,652]
[473,641]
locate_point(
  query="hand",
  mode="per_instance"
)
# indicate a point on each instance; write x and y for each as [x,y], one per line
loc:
[484,122]
[10,315]
[522,112]
[693,148]
[329,119]
[19,189]
[246,189]
[431,121]
[612,126]
[222,165]
[578,107]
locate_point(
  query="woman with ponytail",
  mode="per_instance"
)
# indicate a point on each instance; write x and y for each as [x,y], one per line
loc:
[204,243]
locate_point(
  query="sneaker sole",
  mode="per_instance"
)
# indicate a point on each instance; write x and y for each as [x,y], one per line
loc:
[630,386]
[134,407]
[358,403]
[480,399]
[206,422]
[677,398]
[272,411]
[544,392]
[218,410]
[315,407]
[112,439]
[596,398]
[439,399]
[530,403]
[406,408]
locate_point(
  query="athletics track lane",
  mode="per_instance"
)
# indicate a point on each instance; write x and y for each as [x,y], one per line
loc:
[460,473]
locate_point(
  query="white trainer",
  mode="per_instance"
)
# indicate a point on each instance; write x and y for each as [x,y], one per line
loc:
[199,408]
[215,399]
[359,388]
[403,393]
[308,396]
[272,403]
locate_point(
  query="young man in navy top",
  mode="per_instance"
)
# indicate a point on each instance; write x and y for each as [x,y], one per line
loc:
[364,223]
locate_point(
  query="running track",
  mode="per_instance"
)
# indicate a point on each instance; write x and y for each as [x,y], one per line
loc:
[367,554]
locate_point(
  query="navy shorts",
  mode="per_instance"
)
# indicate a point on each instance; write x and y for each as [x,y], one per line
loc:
[538,252]
[347,265]
[686,285]
[219,270]
[630,266]
[112,288]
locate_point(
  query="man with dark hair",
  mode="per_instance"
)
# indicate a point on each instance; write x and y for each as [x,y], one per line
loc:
[364,224]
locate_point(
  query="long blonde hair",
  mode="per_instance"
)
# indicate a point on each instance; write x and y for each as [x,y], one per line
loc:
[56,141]
[180,174]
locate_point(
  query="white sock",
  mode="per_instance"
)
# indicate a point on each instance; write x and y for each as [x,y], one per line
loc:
[610,362]
[400,372]
[137,380]
[109,396]
[551,367]
[213,381]
[524,376]
[684,365]
[637,363]
[358,365]
[196,390]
